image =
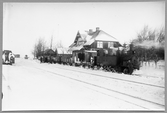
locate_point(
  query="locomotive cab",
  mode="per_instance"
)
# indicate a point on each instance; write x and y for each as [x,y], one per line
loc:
[130,62]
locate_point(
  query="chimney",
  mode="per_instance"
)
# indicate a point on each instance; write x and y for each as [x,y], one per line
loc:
[97,28]
[90,31]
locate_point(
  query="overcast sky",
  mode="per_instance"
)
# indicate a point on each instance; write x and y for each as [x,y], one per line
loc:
[24,23]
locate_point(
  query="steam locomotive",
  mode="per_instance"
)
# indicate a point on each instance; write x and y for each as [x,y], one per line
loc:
[120,61]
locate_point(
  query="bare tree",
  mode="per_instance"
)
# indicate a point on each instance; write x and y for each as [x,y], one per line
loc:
[59,46]
[146,34]
[149,38]
[149,44]
[161,35]
[34,51]
[39,48]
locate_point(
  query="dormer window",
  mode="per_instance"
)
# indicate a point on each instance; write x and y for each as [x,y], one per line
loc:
[99,44]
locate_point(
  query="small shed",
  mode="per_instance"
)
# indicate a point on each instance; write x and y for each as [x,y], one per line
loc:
[48,52]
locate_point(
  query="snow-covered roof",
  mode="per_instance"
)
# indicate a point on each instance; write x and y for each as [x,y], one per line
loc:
[73,44]
[74,48]
[80,35]
[103,36]
[100,36]
[48,51]
[90,51]
[62,51]
[79,41]
[89,41]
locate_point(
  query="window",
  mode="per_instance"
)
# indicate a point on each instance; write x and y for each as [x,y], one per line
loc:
[99,44]
[110,44]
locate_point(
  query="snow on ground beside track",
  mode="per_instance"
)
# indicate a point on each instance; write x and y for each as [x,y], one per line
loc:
[152,75]
[151,70]
[31,89]
[145,92]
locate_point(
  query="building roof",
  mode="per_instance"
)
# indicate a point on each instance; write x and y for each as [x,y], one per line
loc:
[49,52]
[103,36]
[62,51]
[100,36]
[89,41]
[75,48]
[80,37]
[88,38]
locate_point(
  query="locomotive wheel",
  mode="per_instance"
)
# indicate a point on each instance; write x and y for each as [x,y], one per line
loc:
[118,69]
[125,71]
[131,71]
[104,67]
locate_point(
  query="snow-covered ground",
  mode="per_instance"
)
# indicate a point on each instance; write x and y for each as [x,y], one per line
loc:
[150,70]
[29,85]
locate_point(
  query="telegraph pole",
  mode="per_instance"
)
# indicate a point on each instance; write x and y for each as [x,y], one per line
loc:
[51,42]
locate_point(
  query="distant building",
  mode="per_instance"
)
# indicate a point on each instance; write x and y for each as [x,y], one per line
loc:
[49,52]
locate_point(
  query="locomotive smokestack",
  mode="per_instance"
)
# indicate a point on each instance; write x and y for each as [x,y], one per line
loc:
[131,47]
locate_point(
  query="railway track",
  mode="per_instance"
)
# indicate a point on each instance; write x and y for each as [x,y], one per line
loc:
[144,103]
[111,77]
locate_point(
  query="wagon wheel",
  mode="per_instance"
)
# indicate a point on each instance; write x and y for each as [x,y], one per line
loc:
[88,66]
[113,70]
[92,66]
[104,68]
[108,68]
[98,67]
[83,65]
[118,69]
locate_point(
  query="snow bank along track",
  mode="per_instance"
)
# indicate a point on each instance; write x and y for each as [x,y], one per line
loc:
[135,100]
